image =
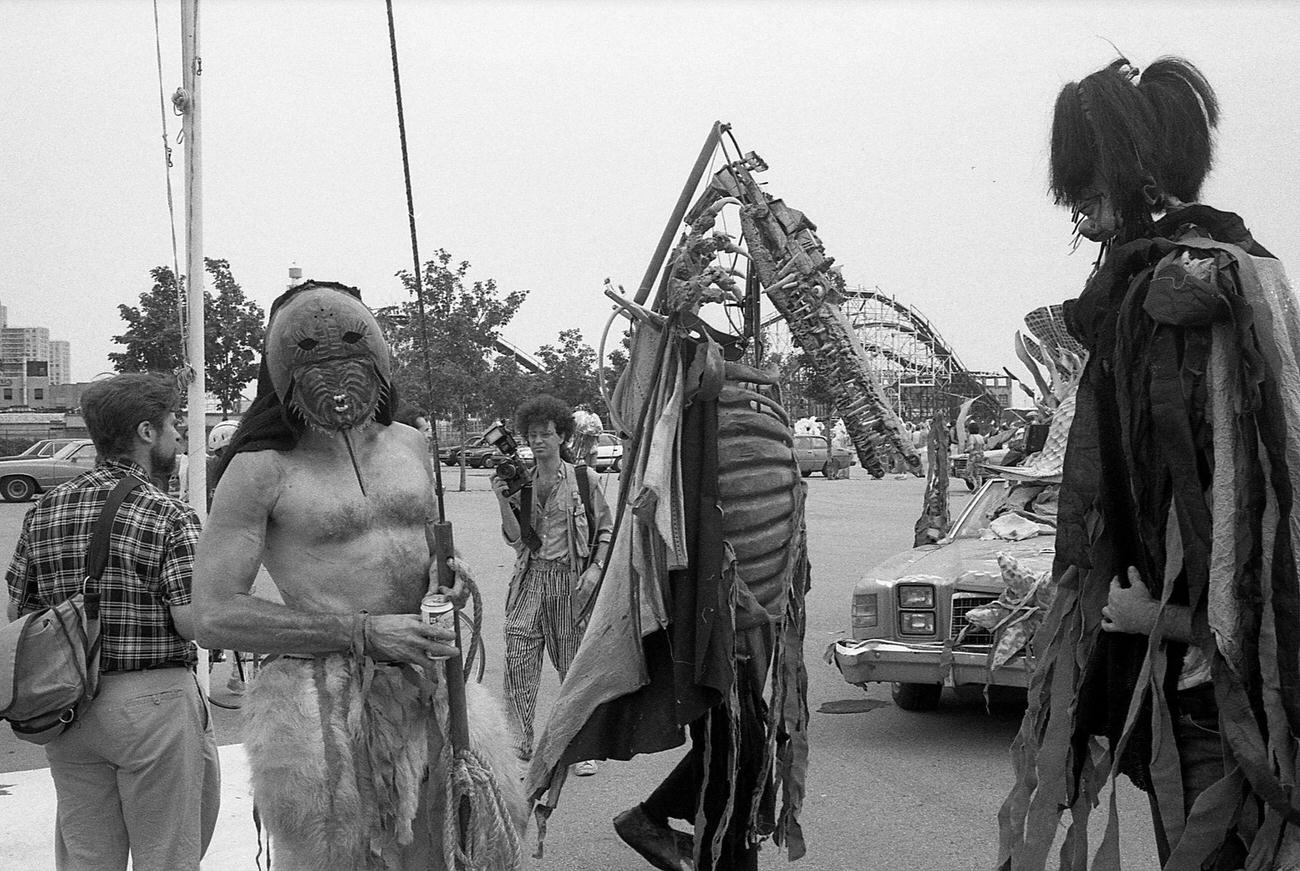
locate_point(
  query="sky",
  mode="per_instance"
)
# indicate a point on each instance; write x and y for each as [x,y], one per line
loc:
[549,141]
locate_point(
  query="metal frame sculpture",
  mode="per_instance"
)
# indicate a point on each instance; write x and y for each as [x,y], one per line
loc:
[790,265]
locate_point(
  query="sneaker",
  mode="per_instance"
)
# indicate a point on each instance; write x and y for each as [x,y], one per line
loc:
[235,685]
[585,768]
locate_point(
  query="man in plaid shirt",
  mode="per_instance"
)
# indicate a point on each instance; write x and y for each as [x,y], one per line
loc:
[137,774]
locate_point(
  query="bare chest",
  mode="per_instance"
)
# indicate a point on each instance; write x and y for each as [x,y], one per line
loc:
[321,500]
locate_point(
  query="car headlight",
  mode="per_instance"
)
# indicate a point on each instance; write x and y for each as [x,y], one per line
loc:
[916,622]
[866,611]
[915,596]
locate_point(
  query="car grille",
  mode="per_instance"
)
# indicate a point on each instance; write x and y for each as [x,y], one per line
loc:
[962,604]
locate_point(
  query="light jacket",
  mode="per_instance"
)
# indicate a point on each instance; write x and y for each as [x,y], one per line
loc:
[580,542]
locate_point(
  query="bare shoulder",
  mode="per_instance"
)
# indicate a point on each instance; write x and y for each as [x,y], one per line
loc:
[404,436]
[250,485]
[403,441]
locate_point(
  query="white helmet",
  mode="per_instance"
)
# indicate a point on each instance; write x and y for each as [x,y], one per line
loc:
[221,434]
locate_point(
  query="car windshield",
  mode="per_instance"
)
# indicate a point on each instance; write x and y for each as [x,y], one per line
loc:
[1031,499]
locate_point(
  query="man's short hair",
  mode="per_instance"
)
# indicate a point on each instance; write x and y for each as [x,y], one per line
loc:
[115,407]
[542,408]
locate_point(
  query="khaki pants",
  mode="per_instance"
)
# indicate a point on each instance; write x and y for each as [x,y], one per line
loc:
[137,774]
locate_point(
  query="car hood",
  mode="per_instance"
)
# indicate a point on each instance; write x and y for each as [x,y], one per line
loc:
[971,560]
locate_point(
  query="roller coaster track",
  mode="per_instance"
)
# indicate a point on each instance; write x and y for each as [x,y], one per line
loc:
[904,346]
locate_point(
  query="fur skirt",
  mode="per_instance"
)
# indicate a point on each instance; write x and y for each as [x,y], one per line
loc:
[339,755]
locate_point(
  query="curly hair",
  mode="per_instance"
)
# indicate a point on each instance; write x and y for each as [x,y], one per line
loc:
[542,408]
[115,407]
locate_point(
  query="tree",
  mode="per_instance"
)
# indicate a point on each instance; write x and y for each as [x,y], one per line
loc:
[803,385]
[571,370]
[618,360]
[461,322]
[232,334]
[507,386]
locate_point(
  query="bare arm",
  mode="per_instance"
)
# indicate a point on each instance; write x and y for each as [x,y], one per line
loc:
[228,615]
[463,577]
[1133,609]
[509,522]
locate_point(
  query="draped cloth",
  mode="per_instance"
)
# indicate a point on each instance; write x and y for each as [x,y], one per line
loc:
[663,650]
[1183,461]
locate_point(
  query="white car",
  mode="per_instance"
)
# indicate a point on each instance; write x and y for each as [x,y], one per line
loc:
[907,613]
[609,452]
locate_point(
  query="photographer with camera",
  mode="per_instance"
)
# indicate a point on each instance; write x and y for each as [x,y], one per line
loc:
[560,527]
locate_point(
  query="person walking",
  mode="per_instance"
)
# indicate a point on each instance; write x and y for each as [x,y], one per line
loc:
[561,540]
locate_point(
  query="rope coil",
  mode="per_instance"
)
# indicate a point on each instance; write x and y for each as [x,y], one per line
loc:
[469,776]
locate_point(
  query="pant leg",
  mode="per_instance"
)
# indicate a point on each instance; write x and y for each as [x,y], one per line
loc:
[560,628]
[676,797]
[166,776]
[89,832]
[1201,762]
[523,672]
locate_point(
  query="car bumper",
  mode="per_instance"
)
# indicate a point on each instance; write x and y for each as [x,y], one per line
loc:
[899,662]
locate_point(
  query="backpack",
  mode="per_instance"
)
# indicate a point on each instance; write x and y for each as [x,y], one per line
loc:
[49,659]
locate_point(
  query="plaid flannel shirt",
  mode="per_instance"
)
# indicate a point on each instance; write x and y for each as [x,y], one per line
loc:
[149,568]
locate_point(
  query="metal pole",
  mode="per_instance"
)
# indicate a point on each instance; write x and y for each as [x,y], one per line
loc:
[679,212]
[194,268]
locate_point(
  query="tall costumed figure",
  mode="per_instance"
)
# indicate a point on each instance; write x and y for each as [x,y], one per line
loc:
[697,628]
[1172,649]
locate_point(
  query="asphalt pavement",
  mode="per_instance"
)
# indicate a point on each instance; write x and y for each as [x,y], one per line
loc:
[887,788]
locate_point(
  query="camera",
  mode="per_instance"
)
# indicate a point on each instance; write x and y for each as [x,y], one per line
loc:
[511,469]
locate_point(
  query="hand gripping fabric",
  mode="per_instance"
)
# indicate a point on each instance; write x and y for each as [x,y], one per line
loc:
[49,659]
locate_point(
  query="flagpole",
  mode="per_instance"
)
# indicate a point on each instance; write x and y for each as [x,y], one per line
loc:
[194,269]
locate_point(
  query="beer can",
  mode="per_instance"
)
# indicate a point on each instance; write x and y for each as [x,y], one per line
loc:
[437,610]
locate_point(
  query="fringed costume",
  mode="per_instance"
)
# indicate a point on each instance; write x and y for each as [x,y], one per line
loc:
[698,626]
[1181,471]
[339,751]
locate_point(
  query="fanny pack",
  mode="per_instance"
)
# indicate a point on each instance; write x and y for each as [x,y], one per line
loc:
[49,659]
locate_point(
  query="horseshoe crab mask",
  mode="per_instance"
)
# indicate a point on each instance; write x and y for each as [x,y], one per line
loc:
[327,358]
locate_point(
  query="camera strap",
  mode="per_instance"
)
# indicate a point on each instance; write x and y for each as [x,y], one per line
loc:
[526,532]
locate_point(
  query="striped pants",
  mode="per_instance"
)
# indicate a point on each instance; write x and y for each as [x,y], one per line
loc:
[541,613]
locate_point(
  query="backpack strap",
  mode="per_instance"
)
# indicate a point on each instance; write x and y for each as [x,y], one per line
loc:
[527,534]
[583,476]
[96,561]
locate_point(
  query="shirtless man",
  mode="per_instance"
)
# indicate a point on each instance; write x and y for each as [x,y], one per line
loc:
[333,499]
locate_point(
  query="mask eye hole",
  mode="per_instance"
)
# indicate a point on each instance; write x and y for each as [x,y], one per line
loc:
[351,337]
[307,344]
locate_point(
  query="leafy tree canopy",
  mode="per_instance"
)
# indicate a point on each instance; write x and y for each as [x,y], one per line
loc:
[232,334]
[571,370]
[462,321]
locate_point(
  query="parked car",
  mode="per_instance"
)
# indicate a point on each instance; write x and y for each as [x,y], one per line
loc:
[814,454]
[905,611]
[42,448]
[957,463]
[490,458]
[609,452]
[20,480]
[450,454]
